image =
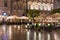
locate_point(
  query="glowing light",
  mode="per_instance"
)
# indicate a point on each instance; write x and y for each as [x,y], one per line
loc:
[4,14]
[35,24]
[39,37]
[10,32]
[48,24]
[26,30]
[26,26]
[43,24]
[48,35]
[48,6]
[34,35]
[18,27]
[29,20]
[28,33]
[39,24]
[14,26]
[51,6]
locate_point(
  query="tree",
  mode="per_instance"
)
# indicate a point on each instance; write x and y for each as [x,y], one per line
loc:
[33,13]
[55,11]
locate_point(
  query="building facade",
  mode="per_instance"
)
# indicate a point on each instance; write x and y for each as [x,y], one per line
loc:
[43,5]
[13,7]
[4,6]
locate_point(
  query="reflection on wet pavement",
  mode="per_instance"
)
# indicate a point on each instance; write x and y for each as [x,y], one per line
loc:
[17,32]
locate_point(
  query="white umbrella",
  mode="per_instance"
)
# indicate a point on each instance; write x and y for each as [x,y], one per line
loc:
[13,17]
[38,17]
[24,17]
[49,17]
[1,16]
[56,15]
[16,17]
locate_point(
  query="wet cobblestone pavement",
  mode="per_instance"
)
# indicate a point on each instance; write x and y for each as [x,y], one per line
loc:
[17,32]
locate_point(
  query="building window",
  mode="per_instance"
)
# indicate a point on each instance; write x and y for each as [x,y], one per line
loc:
[14,7]
[5,3]
[52,1]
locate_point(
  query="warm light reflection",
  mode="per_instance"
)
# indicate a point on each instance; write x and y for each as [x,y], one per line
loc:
[10,32]
[40,24]
[4,28]
[51,6]
[34,35]
[15,26]
[29,20]
[55,36]
[48,36]
[26,30]
[18,27]
[26,26]
[28,35]
[43,24]
[39,36]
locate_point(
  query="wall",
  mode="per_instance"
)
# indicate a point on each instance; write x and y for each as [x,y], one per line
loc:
[4,9]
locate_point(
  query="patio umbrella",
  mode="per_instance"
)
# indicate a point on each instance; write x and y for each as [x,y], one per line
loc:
[56,15]
[24,17]
[1,16]
[13,17]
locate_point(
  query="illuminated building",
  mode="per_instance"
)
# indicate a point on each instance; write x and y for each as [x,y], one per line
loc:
[43,5]
[11,7]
